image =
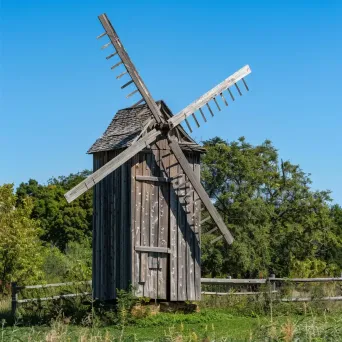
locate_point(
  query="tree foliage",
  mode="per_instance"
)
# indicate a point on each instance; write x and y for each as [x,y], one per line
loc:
[279,223]
[61,222]
[21,250]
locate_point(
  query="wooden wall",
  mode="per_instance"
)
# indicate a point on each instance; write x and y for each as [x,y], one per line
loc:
[130,213]
[111,234]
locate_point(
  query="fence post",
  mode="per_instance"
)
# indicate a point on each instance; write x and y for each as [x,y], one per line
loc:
[273,282]
[270,288]
[14,292]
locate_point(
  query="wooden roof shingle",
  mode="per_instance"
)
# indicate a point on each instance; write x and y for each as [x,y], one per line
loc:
[128,123]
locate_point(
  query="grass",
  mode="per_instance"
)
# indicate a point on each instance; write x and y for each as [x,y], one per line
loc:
[209,325]
[220,319]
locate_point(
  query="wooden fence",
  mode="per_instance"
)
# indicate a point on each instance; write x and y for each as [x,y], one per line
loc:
[15,290]
[270,288]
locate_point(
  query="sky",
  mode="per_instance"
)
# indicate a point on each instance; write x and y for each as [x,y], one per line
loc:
[58,93]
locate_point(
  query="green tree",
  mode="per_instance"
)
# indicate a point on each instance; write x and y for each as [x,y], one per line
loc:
[61,222]
[20,247]
[280,225]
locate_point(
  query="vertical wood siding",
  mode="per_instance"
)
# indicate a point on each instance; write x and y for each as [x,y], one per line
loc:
[130,213]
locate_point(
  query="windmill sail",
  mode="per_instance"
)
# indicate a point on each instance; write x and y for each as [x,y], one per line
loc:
[197,186]
[210,95]
[159,127]
[131,70]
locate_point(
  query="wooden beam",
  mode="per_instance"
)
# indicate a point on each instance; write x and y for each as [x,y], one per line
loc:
[234,293]
[115,40]
[112,165]
[152,249]
[306,280]
[197,186]
[153,179]
[217,281]
[206,219]
[216,239]
[212,230]
[204,99]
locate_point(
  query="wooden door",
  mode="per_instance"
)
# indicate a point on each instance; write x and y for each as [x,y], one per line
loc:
[151,227]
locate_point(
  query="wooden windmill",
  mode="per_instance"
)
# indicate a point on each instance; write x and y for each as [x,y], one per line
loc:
[147,192]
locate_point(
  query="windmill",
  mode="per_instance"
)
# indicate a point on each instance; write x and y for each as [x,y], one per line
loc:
[147,191]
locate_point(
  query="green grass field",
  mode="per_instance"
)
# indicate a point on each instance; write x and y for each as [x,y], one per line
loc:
[209,325]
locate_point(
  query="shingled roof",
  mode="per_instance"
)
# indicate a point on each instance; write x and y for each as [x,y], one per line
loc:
[128,123]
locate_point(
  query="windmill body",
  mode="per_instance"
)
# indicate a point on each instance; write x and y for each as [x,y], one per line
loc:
[145,232]
[147,191]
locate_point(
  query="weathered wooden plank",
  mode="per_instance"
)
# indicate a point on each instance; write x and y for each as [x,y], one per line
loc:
[216,239]
[71,283]
[203,116]
[106,226]
[153,249]
[101,205]
[173,231]
[69,295]
[133,162]
[312,299]
[206,219]
[112,165]
[212,230]
[234,293]
[224,99]
[94,256]
[145,208]
[112,237]
[154,219]
[117,242]
[190,267]
[101,35]
[306,280]
[152,179]
[181,241]
[114,38]
[197,229]
[123,223]
[138,171]
[208,281]
[130,245]
[200,191]
[163,164]
[204,99]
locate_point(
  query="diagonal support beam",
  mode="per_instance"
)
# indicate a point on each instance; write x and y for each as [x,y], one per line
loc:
[210,95]
[115,40]
[197,186]
[112,165]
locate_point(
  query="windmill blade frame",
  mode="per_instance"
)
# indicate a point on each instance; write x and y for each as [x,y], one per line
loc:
[112,165]
[120,50]
[153,134]
[197,186]
[210,95]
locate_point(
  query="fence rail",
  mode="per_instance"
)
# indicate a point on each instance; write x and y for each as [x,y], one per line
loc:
[15,290]
[217,281]
[227,287]
[206,282]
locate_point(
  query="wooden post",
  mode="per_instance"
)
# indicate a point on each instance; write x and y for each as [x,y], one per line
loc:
[273,282]
[14,292]
[270,286]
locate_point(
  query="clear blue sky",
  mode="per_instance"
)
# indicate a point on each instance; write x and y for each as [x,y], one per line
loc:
[58,93]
